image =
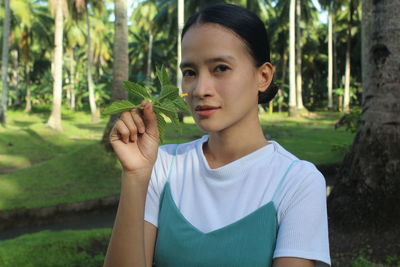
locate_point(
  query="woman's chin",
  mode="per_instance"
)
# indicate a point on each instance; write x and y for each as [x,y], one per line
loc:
[210,128]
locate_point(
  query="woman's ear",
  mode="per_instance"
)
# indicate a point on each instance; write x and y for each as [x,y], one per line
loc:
[265,76]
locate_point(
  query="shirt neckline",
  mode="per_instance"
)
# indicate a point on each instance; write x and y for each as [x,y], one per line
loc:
[236,166]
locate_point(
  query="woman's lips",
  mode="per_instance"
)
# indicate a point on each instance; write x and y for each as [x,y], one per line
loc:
[205,111]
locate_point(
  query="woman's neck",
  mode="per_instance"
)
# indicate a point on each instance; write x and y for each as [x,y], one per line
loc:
[225,147]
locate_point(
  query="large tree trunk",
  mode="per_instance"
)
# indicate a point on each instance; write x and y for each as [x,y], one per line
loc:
[299,78]
[54,121]
[92,100]
[346,95]
[4,63]
[120,65]
[330,57]
[367,192]
[292,56]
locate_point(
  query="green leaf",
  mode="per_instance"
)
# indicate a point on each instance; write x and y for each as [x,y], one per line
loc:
[162,124]
[169,92]
[118,106]
[167,103]
[137,90]
[167,107]
[181,105]
[163,76]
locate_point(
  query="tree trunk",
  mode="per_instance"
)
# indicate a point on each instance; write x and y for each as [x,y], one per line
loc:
[72,80]
[68,80]
[28,101]
[54,121]
[181,17]
[16,78]
[149,54]
[4,63]
[299,78]
[292,56]
[330,58]
[346,95]
[335,69]
[120,65]
[92,100]
[367,190]
[179,52]
[284,68]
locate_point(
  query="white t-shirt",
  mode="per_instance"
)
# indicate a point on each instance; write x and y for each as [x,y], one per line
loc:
[213,198]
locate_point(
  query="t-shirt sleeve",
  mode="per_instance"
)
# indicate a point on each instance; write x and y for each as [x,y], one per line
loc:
[303,226]
[156,185]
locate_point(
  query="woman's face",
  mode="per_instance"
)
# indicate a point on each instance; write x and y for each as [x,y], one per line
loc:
[220,78]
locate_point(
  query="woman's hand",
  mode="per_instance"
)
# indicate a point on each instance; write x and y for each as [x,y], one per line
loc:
[135,139]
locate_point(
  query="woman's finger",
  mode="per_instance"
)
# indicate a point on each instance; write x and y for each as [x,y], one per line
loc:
[126,117]
[150,120]
[121,132]
[136,116]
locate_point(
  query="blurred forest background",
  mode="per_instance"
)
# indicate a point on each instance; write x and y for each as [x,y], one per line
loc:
[327,54]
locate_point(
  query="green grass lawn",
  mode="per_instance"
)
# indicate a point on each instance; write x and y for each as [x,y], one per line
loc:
[88,247]
[40,167]
[51,249]
[314,139]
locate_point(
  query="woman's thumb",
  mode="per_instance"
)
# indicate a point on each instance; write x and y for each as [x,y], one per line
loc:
[150,120]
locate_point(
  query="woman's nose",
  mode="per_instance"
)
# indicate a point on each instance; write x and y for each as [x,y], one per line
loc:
[202,87]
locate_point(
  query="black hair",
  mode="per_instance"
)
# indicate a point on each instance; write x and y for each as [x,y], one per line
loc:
[248,26]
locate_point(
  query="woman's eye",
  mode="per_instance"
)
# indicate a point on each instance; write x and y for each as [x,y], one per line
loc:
[221,68]
[188,73]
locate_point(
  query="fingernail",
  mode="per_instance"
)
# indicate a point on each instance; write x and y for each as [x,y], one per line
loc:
[141,130]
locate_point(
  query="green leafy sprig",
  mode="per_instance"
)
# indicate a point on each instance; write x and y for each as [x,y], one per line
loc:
[167,103]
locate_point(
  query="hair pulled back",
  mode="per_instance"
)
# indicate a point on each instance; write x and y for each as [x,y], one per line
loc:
[245,24]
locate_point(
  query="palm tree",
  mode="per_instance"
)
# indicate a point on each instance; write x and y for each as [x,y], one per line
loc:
[81,9]
[367,190]
[120,66]
[346,96]
[308,16]
[299,78]
[292,56]
[329,6]
[102,47]
[92,101]
[181,16]
[29,31]
[4,63]
[330,55]
[59,9]
[143,19]
[75,37]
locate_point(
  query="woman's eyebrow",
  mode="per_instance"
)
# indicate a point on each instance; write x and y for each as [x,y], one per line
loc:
[186,65]
[189,64]
[218,59]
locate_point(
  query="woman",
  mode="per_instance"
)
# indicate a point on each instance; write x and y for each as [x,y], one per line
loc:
[230,198]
